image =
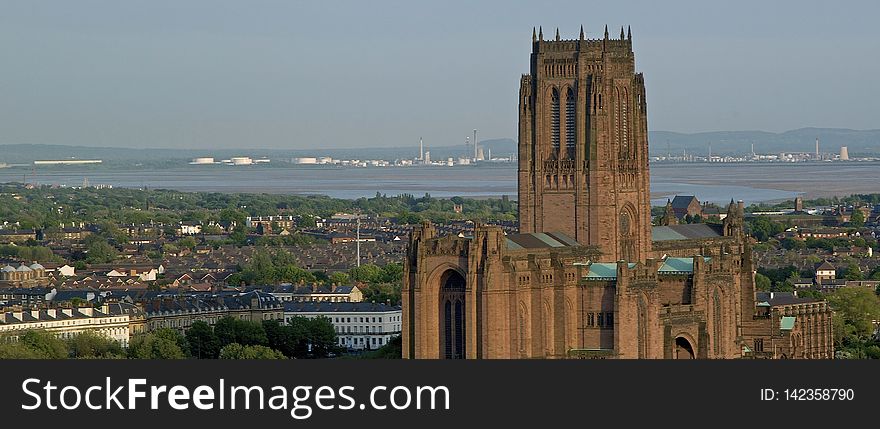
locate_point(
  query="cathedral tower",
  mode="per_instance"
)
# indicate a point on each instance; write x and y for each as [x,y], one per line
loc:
[583,145]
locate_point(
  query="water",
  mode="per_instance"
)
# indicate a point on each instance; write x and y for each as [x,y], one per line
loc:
[708,182]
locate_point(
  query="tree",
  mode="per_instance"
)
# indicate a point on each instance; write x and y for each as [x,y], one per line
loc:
[339,277]
[91,345]
[164,343]
[392,350]
[98,250]
[238,351]
[292,340]
[46,344]
[322,335]
[852,272]
[33,344]
[855,310]
[857,220]
[187,243]
[230,330]
[367,273]
[762,282]
[201,341]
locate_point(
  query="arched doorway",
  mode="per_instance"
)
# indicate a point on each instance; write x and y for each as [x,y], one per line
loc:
[452,320]
[683,348]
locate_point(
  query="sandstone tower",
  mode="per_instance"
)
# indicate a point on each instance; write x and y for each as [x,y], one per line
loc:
[583,145]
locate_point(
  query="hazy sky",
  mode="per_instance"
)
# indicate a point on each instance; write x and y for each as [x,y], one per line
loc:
[289,74]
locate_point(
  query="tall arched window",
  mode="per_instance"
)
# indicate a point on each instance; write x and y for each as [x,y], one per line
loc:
[452,323]
[624,144]
[554,119]
[522,328]
[716,321]
[642,328]
[570,121]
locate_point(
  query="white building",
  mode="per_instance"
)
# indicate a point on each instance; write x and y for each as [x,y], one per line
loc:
[189,228]
[359,325]
[110,321]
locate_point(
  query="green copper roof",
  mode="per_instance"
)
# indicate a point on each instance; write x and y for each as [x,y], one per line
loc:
[604,270]
[679,265]
[787,323]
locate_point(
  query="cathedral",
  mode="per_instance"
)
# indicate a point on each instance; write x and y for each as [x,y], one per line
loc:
[588,275]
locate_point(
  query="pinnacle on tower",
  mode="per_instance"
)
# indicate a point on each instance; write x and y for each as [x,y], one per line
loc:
[540,33]
[534,35]
[606,31]
[629,34]
[582,32]
[621,32]
[557,34]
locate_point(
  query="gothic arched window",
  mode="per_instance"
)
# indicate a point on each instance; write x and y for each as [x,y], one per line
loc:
[570,120]
[554,119]
[716,320]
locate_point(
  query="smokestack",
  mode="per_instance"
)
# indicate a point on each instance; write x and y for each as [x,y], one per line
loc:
[421,150]
[475,138]
[817,147]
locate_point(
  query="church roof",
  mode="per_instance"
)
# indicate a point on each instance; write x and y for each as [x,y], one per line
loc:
[604,270]
[539,240]
[685,232]
[608,270]
[683,201]
[679,265]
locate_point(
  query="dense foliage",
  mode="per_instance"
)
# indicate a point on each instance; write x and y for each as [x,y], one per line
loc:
[48,207]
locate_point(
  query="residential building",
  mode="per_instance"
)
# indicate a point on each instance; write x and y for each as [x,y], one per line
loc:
[359,325]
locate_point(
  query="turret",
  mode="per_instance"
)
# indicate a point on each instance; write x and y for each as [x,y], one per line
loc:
[669,217]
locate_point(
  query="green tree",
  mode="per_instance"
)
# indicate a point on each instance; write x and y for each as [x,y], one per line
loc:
[92,345]
[164,343]
[202,342]
[322,335]
[231,330]
[187,243]
[762,282]
[392,350]
[339,277]
[857,220]
[46,344]
[367,273]
[852,272]
[238,351]
[292,340]
[98,250]
[855,310]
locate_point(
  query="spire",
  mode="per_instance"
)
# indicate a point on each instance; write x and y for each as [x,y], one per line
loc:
[582,32]
[629,34]
[669,217]
[606,31]
[540,33]
[621,32]
[534,35]
[557,34]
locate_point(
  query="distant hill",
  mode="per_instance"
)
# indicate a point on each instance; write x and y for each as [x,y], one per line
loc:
[739,142]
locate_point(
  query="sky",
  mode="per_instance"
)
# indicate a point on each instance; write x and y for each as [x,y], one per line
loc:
[345,74]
